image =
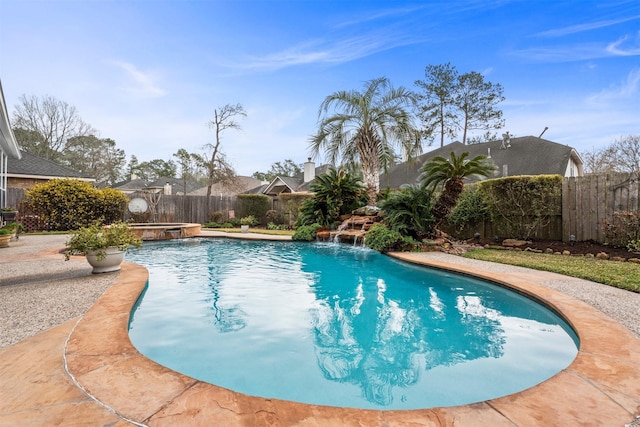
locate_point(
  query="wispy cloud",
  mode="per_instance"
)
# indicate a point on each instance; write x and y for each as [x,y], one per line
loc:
[569,53]
[144,82]
[626,90]
[625,46]
[365,18]
[321,52]
[572,29]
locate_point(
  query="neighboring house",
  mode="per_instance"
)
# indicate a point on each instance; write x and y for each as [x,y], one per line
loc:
[165,185]
[527,155]
[296,184]
[240,185]
[31,170]
[8,148]
[178,187]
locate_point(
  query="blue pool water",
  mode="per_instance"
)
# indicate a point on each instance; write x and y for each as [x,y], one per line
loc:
[339,325]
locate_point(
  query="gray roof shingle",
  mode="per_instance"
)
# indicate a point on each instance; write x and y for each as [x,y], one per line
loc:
[527,155]
[31,165]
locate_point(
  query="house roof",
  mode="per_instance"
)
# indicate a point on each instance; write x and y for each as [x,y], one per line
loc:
[292,184]
[8,143]
[241,185]
[31,166]
[526,155]
[131,185]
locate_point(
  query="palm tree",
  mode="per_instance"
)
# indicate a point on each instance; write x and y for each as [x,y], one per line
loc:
[451,172]
[335,193]
[364,127]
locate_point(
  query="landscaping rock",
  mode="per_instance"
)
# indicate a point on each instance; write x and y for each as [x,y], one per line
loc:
[618,258]
[514,243]
[367,211]
[634,260]
[548,251]
[566,252]
[602,255]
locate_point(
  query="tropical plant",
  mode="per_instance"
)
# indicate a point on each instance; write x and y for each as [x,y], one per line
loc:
[451,174]
[365,127]
[98,238]
[408,211]
[336,193]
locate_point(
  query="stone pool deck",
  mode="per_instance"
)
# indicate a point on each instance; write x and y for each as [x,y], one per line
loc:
[86,372]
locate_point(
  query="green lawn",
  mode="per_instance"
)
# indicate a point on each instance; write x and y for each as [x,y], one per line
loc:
[624,275]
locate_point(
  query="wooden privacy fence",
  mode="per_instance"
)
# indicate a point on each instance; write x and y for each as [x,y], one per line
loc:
[170,208]
[589,203]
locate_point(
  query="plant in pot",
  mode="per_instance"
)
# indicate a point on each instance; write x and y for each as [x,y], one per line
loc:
[8,213]
[246,222]
[104,246]
[5,236]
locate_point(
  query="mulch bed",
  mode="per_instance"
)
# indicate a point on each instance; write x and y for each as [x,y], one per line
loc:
[578,248]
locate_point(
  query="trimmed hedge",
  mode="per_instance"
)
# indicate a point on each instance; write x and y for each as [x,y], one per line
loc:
[519,205]
[255,205]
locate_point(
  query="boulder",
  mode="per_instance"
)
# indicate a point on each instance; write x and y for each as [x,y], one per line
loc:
[515,243]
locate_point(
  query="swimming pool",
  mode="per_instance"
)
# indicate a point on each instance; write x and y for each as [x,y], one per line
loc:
[341,326]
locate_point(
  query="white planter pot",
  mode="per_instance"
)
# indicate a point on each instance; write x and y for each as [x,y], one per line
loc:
[111,261]
[244,228]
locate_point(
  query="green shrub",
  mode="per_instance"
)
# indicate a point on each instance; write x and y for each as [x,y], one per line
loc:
[112,205]
[306,233]
[470,210]
[248,220]
[68,204]
[382,239]
[235,222]
[212,224]
[408,211]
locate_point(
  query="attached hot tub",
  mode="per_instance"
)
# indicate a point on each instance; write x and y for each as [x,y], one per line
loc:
[165,231]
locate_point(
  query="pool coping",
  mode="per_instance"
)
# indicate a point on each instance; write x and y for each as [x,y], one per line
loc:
[600,387]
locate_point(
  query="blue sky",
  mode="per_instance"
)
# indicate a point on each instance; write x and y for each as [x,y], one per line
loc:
[149,73]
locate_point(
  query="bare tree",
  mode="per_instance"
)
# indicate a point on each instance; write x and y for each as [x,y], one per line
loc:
[627,151]
[623,155]
[215,163]
[47,124]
